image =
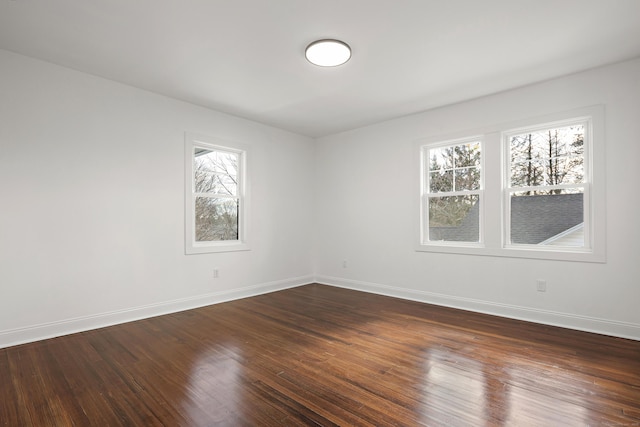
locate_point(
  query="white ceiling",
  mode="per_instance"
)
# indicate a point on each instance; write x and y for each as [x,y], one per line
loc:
[245,57]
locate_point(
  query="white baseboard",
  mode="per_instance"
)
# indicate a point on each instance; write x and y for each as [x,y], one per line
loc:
[42,331]
[564,320]
[69,326]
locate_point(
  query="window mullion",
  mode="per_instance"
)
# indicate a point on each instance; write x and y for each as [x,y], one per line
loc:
[546,187]
[454,193]
[215,196]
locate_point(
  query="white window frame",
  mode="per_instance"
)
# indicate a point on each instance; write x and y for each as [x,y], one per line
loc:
[426,194]
[494,209]
[192,142]
[585,185]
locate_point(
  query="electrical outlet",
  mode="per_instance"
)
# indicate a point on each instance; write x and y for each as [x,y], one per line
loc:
[344,264]
[541,285]
[215,273]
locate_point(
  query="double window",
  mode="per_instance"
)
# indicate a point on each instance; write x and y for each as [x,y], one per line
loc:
[523,190]
[216,195]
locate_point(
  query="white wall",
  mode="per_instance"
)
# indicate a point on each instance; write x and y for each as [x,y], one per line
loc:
[92,204]
[365,212]
[92,208]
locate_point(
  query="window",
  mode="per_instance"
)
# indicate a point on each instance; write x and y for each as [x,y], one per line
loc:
[215,195]
[546,185]
[532,189]
[452,192]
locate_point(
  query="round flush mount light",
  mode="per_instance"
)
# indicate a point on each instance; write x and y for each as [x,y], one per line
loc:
[328,53]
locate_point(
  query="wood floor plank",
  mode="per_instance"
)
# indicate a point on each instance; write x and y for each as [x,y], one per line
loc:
[325,356]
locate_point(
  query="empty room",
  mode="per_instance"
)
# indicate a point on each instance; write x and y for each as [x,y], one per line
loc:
[370,213]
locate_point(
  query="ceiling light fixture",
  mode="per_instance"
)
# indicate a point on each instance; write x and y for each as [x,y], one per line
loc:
[328,53]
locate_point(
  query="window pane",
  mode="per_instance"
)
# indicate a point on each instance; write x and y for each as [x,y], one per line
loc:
[467,179]
[209,161]
[454,218]
[521,148]
[440,158]
[565,170]
[228,163]
[467,155]
[216,219]
[441,181]
[454,168]
[215,172]
[203,181]
[215,184]
[527,174]
[554,218]
[227,184]
[204,160]
[548,156]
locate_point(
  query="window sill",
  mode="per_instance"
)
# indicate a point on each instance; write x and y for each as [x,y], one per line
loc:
[216,248]
[565,254]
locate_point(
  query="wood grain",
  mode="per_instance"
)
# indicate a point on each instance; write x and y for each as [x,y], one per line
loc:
[318,355]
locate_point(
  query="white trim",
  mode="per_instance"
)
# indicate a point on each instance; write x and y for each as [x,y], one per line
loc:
[42,331]
[553,318]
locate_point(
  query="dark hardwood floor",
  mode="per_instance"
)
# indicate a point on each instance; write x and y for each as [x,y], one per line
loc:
[318,355]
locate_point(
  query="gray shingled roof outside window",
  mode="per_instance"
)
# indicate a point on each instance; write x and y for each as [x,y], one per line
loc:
[534,219]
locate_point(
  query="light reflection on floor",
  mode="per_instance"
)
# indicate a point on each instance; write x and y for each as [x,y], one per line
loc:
[210,373]
[512,396]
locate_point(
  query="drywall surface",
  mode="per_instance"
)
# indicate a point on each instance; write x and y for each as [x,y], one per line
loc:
[366,211]
[92,208]
[92,204]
